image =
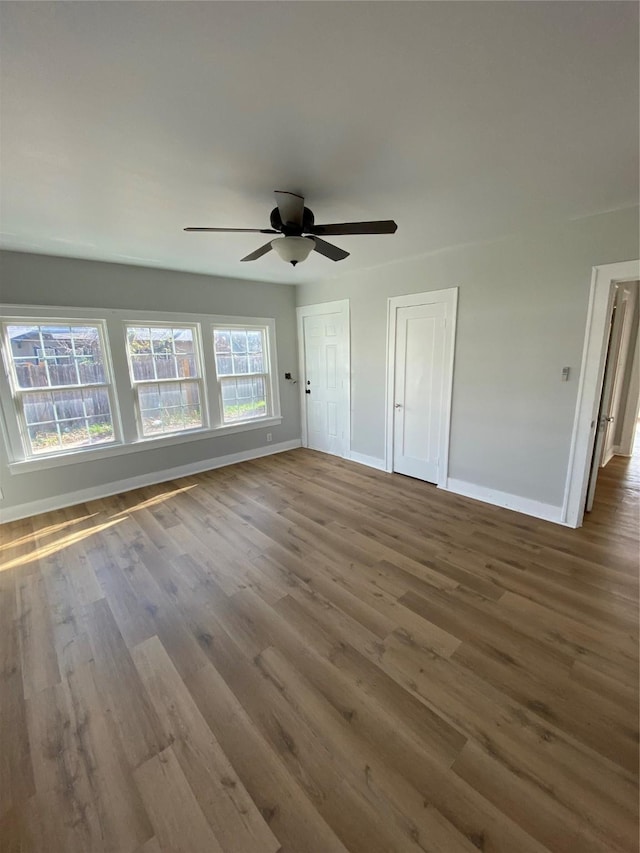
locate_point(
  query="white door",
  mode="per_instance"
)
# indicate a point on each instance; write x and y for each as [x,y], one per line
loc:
[325,374]
[616,407]
[605,426]
[421,377]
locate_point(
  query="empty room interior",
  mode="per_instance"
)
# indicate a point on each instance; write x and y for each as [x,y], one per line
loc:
[319,459]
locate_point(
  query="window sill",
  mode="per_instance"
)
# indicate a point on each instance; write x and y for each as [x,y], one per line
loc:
[89,454]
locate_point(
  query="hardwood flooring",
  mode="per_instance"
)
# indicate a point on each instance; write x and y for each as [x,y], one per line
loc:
[301,654]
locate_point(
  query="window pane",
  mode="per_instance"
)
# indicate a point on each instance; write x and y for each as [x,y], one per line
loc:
[256,364]
[254,339]
[91,369]
[62,370]
[239,351]
[240,364]
[244,388]
[31,373]
[142,367]
[161,341]
[100,431]
[139,339]
[169,407]
[46,356]
[222,340]
[58,420]
[239,341]
[186,366]
[73,433]
[228,392]
[165,366]
[224,365]
[184,339]
[243,399]
[159,352]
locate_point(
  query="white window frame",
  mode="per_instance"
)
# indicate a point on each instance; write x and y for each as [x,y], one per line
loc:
[123,411]
[198,380]
[16,429]
[266,375]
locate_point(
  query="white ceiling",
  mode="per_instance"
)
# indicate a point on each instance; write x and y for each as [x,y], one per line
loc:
[123,122]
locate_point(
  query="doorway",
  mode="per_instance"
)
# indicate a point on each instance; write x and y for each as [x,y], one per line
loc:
[618,409]
[600,395]
[420,347]
[324,347]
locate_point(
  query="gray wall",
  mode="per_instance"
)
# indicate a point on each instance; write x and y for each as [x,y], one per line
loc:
[521,318]
[27,279]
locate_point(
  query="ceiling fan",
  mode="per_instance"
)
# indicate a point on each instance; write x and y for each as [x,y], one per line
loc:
[293,220]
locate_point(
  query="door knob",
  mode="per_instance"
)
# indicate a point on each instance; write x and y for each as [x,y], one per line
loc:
[307,391]
[398,405]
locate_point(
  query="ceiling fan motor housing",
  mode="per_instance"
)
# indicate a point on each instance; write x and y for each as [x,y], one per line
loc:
[290,229]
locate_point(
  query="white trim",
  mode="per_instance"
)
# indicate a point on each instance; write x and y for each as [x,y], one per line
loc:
[95,492]
[603,281]
[88,454]
[370,461]
[18,444]
[63,312]
[271,378]
[340,306]
[199,379]
[450,299]
[548,512]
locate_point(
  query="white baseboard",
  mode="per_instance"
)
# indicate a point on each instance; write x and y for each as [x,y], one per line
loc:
[548,512]
[25,510]
[370,461]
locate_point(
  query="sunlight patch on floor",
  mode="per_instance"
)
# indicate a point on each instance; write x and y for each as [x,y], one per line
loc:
[155,500]
[46,531]
[47,550]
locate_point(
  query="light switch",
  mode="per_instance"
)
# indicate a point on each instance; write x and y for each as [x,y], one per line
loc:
[565,374]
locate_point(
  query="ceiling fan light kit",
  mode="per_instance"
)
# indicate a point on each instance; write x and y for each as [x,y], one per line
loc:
[293,220]
[293,250]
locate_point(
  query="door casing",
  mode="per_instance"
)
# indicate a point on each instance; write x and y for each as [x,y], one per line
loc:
[594,354]
[449,298]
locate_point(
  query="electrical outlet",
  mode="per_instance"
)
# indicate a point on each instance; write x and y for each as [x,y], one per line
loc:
[269,436]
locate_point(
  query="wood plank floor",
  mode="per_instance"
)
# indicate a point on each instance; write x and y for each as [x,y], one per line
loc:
[301,654]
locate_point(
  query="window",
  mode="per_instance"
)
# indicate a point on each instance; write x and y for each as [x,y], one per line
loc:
[242,368]
[102,383]
[60,385]
[165,369]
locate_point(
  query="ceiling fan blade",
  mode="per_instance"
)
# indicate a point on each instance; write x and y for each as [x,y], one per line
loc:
[236,230]
[290,207]
[258,253]
[383,226]
[329,250]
